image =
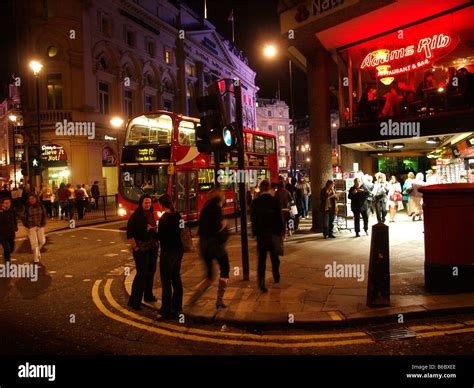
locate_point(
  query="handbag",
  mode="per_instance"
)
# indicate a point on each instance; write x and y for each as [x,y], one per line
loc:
[293,211]
[277,244]
[396,197]
[187,240]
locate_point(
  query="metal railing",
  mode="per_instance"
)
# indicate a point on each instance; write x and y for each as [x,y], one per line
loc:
[103,207]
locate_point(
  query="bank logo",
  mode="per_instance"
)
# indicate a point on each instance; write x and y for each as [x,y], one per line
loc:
[395,128]
[75,128]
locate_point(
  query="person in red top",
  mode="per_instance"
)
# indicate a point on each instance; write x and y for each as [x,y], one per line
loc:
[63,197]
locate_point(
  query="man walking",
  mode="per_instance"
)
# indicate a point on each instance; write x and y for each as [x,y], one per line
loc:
[358,196]
[268,228]
[95,194]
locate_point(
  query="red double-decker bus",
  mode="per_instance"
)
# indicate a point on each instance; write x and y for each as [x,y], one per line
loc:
[160,156]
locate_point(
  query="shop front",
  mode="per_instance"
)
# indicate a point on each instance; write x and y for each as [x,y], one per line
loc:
[109,170]
[56,166]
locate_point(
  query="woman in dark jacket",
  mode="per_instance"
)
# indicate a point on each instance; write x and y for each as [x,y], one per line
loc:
[213,235]
[8,227]
[169,235]
[141,233]
[328,208]
[358,195]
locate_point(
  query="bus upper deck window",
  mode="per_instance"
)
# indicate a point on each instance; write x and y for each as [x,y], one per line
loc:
[150,129]
[187,133]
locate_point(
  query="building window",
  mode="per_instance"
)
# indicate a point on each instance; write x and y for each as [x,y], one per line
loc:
[191,70]
[150,47]
[168,105]
[282,163]
[106,26]
[130,37]
[55,91]
[168,56]
[127,102]
[281,128]
[270,127]
[104,98]
[148,103]
[282,151]
[281,140]
[269,113]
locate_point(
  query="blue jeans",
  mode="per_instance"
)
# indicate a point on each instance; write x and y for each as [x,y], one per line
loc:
[305,206]
[328,223]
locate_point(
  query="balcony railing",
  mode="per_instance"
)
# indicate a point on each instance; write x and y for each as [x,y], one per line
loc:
[55,116]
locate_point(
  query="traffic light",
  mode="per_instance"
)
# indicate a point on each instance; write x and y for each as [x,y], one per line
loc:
[34,155]
[213,134]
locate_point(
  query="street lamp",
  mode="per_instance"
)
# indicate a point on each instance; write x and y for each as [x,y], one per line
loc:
[36,67]
[117,123]
[270,51]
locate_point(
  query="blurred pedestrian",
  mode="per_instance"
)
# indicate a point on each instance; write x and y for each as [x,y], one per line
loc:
[81,198]
[268,227]
[284,198]
[395,199]
[415,197]
[171,254]
[306,190]
[45,195]
[72,200]
[34,219]
[141,233]
[5,193]
[8,227]
[63,197]
[213,235]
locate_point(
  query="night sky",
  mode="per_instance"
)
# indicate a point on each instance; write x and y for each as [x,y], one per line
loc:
[257,22]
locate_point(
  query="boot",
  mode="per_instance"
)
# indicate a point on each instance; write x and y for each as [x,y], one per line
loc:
[261,285]
[220,293]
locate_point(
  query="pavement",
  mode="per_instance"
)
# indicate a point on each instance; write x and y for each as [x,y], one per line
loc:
[306,295]
[56,224]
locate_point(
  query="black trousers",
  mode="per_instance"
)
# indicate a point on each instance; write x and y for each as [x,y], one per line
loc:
[365,218]
[264,245]
[96,203]
[142,287]
[49,208]
[171,285]
[381,210]
[80,203]
[8,247]
[212,249]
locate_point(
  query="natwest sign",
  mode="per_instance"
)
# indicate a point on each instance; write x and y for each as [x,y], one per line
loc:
[425,48]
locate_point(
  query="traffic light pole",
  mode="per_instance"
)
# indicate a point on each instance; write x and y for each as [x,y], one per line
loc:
[242,193]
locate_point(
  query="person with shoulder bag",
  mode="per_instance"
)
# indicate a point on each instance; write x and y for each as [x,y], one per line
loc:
[141,233]
[170,226]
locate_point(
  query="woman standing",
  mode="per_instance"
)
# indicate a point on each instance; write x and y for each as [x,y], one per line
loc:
[169,235]
[328,208]
[141,233]
[394,197]
[380,196]
[415,198]
[34,220]
[46,195]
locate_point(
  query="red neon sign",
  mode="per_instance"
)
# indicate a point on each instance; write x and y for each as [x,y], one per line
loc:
[425,47]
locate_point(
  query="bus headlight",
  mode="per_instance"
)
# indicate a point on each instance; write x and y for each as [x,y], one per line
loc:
[122,212]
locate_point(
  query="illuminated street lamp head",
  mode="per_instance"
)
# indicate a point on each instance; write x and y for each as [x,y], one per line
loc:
[12,118]
[36,67]
[116,122]
[269,51]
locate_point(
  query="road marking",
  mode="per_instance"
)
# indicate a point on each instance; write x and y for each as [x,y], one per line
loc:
[52,272]
[68,276]
[190,337]
[98,240]
[112,242]
[334,315]
[85,238]
[111,254]
[124,250]
[87,280]
[105,230]
[115,305]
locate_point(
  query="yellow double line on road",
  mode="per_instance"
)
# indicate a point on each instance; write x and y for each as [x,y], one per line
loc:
[200,335]
[243,339]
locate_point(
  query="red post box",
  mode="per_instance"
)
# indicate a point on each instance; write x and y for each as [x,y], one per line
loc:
[449,237]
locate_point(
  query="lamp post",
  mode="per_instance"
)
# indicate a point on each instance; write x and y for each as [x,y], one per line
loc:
[270,51]
[36,68]
[13,119]
[117,123]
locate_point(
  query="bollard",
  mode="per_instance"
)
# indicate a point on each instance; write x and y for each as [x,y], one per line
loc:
[378,284]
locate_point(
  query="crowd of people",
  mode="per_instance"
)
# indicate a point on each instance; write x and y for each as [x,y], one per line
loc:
[34,207]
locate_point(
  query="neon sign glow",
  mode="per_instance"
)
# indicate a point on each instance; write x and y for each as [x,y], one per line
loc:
[425,47]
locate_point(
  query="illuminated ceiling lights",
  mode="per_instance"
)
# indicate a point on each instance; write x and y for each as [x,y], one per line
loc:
[398,146]
[387,80]
[383,69]
[380,54]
